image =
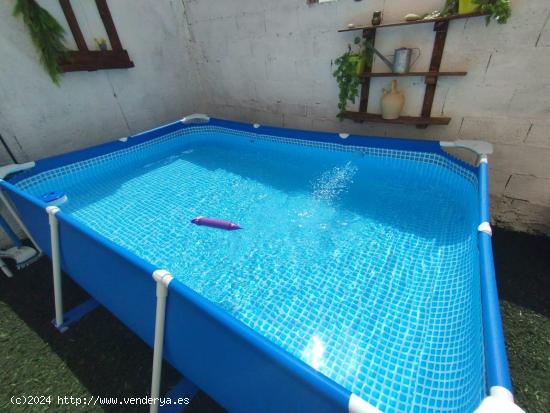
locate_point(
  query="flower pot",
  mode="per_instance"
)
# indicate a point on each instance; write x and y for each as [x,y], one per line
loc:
[360,62]
[467,6]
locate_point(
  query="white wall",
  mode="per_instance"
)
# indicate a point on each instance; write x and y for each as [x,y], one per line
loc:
[38,118]
[270,62]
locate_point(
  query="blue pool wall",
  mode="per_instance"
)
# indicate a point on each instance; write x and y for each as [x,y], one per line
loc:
[353,140]
[235,365]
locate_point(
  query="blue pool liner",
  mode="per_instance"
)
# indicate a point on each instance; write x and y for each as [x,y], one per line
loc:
[353,140]
[199,335]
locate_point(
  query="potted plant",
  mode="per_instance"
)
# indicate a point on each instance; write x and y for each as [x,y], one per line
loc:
[499,10]
[467,6]
[47,35]
[349,68]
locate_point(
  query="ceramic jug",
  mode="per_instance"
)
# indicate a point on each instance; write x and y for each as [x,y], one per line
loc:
[392,102]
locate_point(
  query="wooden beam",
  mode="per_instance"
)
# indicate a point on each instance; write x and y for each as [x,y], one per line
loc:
[73,24]
[440,28]
[403,120]
[110,28]
[426,74]
[370,36]
[92,60]
[422,21]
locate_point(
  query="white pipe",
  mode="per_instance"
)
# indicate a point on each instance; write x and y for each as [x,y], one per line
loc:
[15,167]
[486,228]
[56,264]
[10,208]
[162,278]
[502,393]
[196,118]
[5,268]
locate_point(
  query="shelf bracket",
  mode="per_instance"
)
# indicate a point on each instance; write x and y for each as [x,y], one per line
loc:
[440,29]
[369,35]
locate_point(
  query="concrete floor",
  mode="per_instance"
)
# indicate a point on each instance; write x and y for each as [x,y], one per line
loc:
[100,357]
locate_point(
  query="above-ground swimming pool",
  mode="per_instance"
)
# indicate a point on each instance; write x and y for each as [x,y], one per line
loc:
[359,268]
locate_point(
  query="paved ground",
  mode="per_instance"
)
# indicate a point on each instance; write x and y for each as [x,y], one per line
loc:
[99,356]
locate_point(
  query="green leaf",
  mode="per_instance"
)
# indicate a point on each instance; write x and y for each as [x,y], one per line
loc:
[47,35]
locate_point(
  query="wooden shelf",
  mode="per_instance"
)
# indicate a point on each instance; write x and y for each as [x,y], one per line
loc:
[403,120]
[427,74]
[95,60]
[440,27]
[91,60]
[407,23]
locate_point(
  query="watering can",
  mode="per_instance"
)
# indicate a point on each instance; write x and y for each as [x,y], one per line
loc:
[401,58]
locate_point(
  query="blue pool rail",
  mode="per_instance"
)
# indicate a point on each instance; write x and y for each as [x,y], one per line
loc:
[498,373]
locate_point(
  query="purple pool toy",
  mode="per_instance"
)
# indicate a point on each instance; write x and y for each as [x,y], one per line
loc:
[215,223]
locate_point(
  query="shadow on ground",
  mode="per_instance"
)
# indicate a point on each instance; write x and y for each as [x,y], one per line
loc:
[99,356]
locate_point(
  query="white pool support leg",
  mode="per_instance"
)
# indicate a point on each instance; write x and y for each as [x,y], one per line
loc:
[15,216]
[56,264]
[162,278]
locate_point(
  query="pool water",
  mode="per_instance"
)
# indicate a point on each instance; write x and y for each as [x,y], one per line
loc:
[360,263]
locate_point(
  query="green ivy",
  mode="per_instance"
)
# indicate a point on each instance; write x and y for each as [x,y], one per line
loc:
[346,74]
[46,33]
[500,10]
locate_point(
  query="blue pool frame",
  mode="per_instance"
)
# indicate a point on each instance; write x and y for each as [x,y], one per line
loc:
[199,336]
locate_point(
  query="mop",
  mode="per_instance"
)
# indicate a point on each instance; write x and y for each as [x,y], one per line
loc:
[22,255]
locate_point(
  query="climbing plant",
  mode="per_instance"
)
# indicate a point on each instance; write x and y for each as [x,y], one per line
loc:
[349,68]
[499,10]
[46,33]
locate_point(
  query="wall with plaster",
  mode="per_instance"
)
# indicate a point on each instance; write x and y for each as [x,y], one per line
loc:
[270,62]
[39,119]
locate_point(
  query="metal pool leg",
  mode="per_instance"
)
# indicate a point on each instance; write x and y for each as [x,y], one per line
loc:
[62,321]
[162,278]
[56,265]
[75,314]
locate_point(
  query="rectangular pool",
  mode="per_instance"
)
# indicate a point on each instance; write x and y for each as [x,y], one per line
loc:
[358,262]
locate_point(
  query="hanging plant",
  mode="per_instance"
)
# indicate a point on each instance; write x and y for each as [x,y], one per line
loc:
[349,68]
[46,33]
[499,10]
